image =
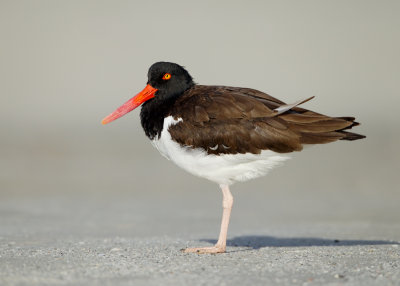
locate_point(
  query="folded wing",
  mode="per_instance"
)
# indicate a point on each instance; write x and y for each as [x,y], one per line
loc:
[229,120]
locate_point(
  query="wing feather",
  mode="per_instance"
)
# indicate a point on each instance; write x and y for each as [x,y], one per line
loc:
[229,120]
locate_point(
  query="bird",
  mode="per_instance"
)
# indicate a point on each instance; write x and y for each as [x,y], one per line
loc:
[225,134]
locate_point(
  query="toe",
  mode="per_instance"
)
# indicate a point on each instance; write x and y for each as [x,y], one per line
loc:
[204,250]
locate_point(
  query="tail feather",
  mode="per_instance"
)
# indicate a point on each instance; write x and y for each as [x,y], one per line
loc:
[350,136]
[318,129]
[320,138]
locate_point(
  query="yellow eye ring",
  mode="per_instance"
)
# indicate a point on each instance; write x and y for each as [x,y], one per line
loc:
[167,76]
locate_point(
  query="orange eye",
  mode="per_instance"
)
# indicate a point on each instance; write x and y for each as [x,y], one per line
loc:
[167,76]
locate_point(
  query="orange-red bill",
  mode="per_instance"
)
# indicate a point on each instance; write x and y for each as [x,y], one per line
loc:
[146,94]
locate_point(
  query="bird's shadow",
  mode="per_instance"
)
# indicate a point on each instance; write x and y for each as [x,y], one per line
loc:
[260,241]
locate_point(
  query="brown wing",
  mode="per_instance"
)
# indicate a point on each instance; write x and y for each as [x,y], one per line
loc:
[230,120]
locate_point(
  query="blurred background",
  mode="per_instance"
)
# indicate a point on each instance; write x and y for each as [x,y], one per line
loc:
[64,65]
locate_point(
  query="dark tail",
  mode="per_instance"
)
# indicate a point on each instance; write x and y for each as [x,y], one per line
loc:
[350,136]
[316,128]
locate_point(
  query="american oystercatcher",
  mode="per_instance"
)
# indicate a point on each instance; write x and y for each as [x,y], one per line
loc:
[225,134]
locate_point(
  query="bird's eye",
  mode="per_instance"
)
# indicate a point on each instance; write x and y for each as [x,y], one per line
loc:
[167,76]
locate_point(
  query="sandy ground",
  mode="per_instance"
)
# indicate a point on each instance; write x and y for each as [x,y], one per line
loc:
[88,239]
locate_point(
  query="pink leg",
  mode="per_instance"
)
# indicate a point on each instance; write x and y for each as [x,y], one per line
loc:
[220,247]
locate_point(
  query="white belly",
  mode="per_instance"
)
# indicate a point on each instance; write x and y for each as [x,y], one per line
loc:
[224,169]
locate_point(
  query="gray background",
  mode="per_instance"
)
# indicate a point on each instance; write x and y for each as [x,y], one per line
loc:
[70,185]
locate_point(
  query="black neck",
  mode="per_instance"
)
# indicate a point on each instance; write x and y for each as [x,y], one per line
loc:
[153,113]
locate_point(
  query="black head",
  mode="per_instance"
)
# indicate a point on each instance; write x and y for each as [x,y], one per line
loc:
[166,82]
[169,78]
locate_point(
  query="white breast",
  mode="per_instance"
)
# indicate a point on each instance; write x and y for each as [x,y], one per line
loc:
[224,169]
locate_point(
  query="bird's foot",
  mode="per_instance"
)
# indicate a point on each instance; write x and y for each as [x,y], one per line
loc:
[203,250]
